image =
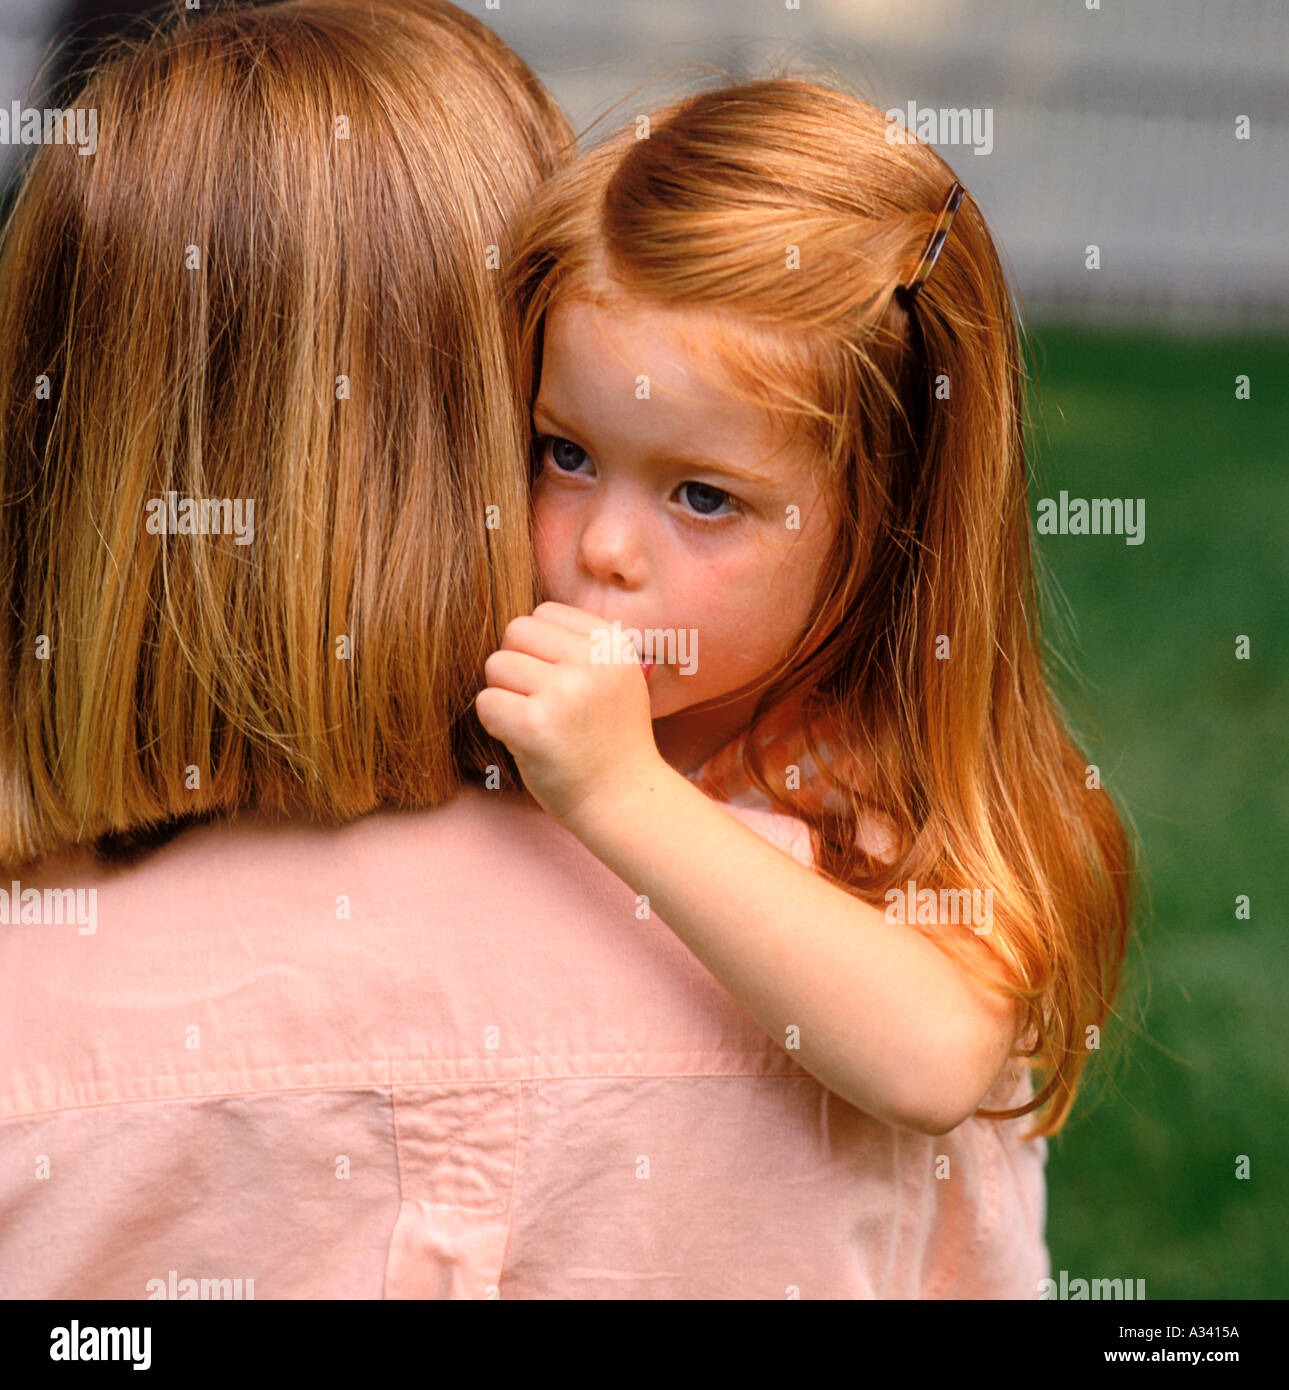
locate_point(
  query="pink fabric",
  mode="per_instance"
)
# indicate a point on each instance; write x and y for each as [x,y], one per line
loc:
[491,1079]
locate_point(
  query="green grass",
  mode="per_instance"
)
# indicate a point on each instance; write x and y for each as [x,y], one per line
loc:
[1191,743]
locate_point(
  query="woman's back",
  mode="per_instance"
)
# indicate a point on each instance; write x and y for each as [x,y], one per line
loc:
[442,1054]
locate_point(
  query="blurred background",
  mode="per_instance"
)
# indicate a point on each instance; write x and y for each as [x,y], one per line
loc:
[1115,124]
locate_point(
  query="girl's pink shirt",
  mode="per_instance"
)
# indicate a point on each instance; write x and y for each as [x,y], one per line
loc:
[443,1054]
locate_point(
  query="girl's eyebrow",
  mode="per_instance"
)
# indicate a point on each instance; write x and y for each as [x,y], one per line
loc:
[706,463]
[540,409]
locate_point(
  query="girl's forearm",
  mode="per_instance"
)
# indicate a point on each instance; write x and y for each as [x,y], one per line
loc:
[886,1020]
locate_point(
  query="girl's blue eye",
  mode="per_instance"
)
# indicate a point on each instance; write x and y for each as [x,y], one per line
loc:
[704,498]
[566,455]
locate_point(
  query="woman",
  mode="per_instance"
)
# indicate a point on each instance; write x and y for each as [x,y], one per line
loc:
[360,1021]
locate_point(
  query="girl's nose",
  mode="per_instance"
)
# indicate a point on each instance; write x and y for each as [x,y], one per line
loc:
[612,547]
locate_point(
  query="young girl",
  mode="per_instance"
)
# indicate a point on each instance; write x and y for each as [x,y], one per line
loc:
[778,458]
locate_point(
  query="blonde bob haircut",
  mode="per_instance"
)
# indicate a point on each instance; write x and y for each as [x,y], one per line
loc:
[273,291]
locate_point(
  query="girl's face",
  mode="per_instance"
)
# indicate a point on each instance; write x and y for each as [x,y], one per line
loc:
[666,503]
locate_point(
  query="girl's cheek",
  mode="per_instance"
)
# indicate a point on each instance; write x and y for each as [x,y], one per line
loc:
[550,545]
[548,518]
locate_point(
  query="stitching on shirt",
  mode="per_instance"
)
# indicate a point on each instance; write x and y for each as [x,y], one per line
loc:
[456,1135]
[402,1197]
[398,1145]
[520,1115]
[384,1085]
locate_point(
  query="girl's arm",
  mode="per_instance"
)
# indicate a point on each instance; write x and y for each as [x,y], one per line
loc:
[884,1018]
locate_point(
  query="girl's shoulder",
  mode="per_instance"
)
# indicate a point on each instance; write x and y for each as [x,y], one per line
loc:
[805,767]
[779,739]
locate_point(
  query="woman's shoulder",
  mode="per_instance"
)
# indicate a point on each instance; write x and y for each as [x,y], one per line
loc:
[500,833]
[465,825]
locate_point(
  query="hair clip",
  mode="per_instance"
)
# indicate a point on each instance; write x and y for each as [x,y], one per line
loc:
[932,253]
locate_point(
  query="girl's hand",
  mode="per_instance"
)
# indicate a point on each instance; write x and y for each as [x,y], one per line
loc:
[567,696]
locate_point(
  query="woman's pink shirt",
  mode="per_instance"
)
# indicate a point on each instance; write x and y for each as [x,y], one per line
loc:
[445,1054]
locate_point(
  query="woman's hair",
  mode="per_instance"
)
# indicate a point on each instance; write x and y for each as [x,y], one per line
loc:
[270,302]
[788,214]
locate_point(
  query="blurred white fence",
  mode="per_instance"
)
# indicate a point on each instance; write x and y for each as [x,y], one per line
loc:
[1114,126]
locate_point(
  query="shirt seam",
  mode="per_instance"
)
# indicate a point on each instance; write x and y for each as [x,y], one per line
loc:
[380,1087]
[520,1115]
[402,1193]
